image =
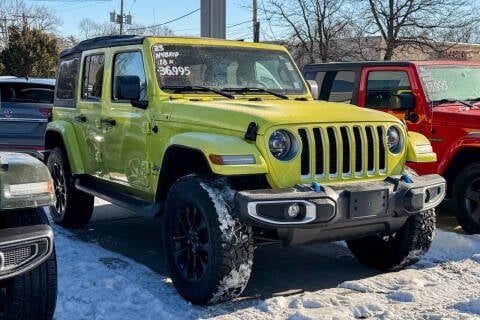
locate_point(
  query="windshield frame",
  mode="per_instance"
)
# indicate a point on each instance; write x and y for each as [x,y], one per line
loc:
[177,63]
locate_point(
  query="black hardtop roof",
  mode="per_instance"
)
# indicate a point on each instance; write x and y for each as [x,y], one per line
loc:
[102,42]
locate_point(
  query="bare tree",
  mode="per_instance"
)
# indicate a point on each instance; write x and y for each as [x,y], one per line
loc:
[14,13]
[313,26]
[89,28]
[421,24]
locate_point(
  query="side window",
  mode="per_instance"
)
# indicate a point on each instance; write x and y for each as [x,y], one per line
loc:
[342,87]
[383,85]
[93,77]
[336,86]
[129,64]
[66,82]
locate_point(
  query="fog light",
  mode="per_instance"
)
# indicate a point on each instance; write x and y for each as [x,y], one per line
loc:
[293,210]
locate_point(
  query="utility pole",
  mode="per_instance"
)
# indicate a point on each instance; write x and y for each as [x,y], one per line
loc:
[256,24]
[121,18]
[121,15]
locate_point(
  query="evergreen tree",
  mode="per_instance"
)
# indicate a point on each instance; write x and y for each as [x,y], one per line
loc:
[29,53]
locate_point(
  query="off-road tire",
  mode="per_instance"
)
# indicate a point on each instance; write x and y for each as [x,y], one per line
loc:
[399,250]
[31,295]
[223,245]
[73,207]
[466,192]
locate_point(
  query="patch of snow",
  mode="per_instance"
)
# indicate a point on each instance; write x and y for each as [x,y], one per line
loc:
[401,296]
[472,306]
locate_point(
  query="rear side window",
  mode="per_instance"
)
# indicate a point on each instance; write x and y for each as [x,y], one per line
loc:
[66,82]
[336,86]
[342,87]
[26,92]
[93,77]
[382,86]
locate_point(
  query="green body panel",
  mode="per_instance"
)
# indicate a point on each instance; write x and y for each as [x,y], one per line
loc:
[413,154]
[218,144]
[66,130]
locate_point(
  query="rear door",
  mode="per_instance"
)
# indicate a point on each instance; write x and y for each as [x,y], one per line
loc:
[24,112]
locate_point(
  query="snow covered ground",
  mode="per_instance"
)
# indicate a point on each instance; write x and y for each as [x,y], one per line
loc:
[97,284]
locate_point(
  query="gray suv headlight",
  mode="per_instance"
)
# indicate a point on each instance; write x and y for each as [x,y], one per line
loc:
[283,145]
[394,140]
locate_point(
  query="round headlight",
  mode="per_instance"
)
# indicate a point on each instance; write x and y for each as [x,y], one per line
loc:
[394,140]
[283,145]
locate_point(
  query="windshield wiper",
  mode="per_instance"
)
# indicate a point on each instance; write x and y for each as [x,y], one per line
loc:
[473,99]
[441,101]
[254,89]
[178,89]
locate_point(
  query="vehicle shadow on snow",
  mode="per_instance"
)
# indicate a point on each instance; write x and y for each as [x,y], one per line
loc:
[277,270]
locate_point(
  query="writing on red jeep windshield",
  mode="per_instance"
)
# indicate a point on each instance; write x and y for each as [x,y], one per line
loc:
[225,67]
[450,82]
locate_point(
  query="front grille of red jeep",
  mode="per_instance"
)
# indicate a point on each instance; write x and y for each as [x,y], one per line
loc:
[333,152]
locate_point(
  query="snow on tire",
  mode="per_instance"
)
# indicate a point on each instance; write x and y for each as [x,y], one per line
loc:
[400,249]
[209,251]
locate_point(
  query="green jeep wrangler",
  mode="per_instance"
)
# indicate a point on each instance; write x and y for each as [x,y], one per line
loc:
[223,140]
[28,267]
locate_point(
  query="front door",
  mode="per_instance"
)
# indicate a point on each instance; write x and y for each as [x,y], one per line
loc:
[379,86]
[125,127]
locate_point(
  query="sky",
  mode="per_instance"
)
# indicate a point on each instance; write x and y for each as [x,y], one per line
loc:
[94,283]
[238,21]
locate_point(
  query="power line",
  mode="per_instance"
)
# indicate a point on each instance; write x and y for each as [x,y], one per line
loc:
[237,24]
[167,22]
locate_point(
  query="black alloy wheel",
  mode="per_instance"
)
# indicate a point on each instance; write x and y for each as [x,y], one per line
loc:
[60,188]
[192,249]
[73,207]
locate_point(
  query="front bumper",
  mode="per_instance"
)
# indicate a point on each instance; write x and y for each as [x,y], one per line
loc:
[24,248]
[341,206]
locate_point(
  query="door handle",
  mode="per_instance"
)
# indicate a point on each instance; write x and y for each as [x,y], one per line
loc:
[108,122]
[80,118]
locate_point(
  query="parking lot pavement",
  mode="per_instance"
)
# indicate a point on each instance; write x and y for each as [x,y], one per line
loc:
[446,217]
[277,270]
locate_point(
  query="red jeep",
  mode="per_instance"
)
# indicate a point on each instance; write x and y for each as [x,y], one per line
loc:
[440,99]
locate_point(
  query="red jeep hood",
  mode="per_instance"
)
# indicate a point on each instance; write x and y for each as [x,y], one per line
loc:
[458,115]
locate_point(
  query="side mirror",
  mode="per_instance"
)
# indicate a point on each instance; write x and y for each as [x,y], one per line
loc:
[402,101]
[127,88]
[313,86]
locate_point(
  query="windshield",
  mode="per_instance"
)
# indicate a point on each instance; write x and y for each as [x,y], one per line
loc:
[225,68]
[450,82]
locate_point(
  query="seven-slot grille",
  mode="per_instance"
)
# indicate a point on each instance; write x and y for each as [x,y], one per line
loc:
[342,151]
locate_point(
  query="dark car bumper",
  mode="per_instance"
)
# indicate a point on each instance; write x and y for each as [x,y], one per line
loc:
[344,210]
[24,248]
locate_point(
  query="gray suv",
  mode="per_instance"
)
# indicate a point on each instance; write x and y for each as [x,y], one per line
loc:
[25,108]
[28,268]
